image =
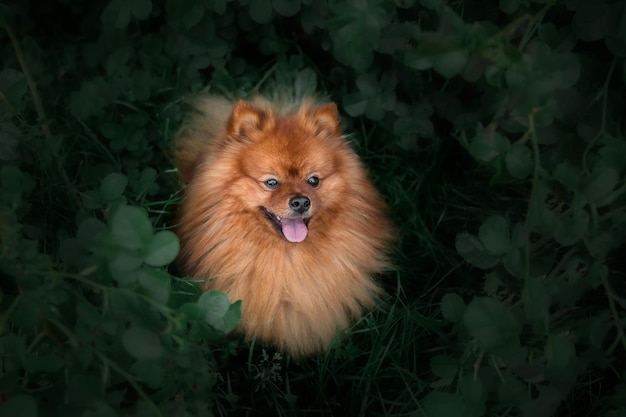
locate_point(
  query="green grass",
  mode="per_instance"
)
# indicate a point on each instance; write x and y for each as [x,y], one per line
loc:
[474,129]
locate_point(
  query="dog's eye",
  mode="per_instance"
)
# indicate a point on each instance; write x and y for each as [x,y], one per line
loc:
[271,183]
[313,181]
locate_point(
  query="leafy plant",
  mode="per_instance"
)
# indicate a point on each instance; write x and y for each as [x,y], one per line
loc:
[494,129]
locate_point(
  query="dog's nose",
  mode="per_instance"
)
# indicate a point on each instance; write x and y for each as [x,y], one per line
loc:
[299,203]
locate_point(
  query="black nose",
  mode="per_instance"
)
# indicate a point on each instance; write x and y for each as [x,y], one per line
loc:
[300,203]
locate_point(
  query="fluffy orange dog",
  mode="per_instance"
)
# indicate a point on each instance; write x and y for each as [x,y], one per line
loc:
[279,213]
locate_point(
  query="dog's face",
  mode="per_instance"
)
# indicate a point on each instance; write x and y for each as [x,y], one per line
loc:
[290,166]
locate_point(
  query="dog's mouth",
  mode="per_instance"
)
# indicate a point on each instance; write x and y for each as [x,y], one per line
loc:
[293,229]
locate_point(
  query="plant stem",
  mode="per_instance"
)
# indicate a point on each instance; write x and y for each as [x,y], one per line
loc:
[41,114]
[609,292]
[605,94]
[7,313]
[108,362]
[130,380]
[535,21]
[164,310]
[35,342]
[559,266]
[535,186]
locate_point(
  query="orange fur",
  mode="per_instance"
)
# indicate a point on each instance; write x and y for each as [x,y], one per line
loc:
[295,296]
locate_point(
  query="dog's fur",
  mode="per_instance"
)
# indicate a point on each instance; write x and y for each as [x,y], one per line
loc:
[295,296]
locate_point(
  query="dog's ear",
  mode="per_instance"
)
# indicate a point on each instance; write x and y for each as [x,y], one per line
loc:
[247,119]
[327,120]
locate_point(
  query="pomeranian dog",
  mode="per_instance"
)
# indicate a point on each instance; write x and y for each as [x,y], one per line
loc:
[279,212]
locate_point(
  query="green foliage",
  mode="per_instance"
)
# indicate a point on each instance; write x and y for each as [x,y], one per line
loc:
[494,129]
[107,318]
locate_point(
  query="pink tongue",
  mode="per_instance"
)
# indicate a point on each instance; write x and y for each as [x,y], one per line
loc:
[294,230]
